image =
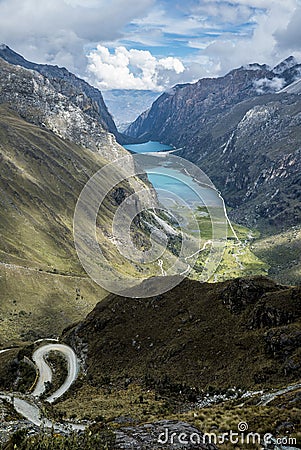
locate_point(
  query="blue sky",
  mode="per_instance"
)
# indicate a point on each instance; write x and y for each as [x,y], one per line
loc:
[170,28]
[151,44]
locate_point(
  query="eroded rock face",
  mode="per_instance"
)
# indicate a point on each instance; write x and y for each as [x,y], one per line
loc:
[86,97]
[283,341]
[276,308]
[261,162]
[38,101]
[182,112]
[241,293]
[267,316]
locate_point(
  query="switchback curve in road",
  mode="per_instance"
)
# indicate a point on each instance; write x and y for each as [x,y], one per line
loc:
[45,372]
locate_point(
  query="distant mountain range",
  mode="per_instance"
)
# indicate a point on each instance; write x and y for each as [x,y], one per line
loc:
[244,131]
[126,105]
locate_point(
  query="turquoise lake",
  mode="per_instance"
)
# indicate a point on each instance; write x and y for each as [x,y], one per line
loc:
[165,178]
[148,147]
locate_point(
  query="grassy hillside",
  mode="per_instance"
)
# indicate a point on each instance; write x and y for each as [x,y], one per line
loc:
[41,178]
[281,251]
[37,304]
[43,287]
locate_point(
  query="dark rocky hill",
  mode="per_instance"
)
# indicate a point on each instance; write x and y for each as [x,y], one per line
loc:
[243,332]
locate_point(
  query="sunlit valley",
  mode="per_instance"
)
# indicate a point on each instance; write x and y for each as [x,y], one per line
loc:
[106,345]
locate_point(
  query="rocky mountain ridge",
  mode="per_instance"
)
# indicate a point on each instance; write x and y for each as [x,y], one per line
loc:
[38,101]
[84,96]
[193,105]
[243,130]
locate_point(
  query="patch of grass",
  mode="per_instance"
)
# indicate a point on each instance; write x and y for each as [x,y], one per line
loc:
[16,373]
[58,365]
[36,304]
[108,402]
[238,259]
[98,438]
[221,419]
[281,251]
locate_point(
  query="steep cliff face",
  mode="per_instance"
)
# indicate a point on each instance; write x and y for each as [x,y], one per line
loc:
[39,100]
[243,134]
[79,92]
[253,156]
[184,112]
[181,113]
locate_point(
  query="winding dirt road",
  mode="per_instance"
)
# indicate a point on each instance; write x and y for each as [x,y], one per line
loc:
[29,410]
[45,372]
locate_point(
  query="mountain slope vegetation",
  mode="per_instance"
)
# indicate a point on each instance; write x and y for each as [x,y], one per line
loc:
[243,332]
[49,149]
[41,177]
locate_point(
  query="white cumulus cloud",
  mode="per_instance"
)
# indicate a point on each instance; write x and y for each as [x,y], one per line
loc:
[57,31]
[274,23]
[198,38]
[131,69]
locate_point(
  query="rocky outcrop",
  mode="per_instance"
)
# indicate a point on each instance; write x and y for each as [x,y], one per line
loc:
[266,316]
[86,97]
[165,434]
[241,293]
[37,99]
[284,345]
